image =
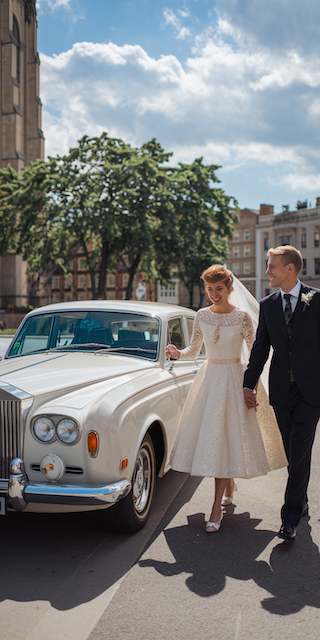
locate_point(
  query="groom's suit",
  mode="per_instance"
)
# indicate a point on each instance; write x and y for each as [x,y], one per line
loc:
[294,385]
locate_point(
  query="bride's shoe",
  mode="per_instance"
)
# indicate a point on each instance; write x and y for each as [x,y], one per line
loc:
[212,526]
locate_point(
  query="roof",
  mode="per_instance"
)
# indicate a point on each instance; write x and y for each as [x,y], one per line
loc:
[134,306]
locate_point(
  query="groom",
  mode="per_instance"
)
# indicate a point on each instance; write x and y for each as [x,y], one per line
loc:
[289,321]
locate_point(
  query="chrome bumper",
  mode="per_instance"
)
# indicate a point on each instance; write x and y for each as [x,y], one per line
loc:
[21,492]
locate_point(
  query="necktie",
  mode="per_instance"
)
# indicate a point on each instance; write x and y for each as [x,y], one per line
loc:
[288,308]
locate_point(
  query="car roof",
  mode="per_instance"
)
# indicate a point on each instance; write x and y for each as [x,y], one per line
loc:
[160,309]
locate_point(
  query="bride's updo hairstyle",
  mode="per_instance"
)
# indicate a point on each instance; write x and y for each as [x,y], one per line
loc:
[218,273]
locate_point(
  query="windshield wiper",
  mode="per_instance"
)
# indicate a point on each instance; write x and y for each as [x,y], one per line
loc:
[117,349]
[85,346]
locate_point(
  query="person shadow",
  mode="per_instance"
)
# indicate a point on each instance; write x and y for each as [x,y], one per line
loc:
[291,577]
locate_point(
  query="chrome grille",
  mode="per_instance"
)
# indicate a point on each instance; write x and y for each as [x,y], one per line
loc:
[10,434]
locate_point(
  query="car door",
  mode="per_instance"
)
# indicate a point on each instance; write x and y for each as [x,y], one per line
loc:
[182,370]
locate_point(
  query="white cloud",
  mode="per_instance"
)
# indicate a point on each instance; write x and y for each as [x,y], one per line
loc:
[303,182]
[244,107]
[174,21]
[52,5]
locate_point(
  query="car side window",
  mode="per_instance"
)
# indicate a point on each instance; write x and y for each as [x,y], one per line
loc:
[190,322]
[175,333]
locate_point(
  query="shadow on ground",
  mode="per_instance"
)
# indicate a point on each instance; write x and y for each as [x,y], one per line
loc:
[291,577]
[70,559]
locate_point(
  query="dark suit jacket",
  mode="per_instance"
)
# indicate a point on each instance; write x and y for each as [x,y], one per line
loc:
[305,348]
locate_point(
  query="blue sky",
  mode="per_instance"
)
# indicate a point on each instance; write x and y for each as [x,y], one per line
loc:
[236,81]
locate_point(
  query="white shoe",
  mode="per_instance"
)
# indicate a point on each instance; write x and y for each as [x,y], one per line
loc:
[212,526]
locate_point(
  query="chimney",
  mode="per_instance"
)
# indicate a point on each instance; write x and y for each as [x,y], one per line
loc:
[266,210]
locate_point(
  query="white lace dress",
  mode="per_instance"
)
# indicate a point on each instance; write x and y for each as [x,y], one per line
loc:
[218,436]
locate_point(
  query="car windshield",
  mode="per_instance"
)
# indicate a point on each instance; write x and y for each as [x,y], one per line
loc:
[111,331]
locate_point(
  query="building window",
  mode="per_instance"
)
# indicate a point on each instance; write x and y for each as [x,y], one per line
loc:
[168,290]
[111,280]
[317,266]
[82,264]
[68,281]
[55,282]
[247,268]
[304,266]
[236,268]
[317,237]
[236,252]
[247,251]
[303,239]
[283,240]
[82,282]
[16,63]
[247,235]
[236,236]
[266,242]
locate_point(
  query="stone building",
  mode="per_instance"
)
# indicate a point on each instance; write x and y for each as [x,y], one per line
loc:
[241,258]
[301,228]
[21,137]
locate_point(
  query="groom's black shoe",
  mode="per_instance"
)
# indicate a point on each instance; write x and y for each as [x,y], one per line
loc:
[287,532]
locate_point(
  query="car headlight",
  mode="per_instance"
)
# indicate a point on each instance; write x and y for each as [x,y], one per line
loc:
[44,429]
[68,431]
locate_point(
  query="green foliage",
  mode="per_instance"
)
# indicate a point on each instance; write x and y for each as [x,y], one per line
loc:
[121,207]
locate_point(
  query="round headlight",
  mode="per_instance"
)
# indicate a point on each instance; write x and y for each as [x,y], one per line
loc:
[44,429]
[67,431]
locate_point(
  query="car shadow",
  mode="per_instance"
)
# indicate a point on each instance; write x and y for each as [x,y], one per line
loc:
[291,578]
[70,559]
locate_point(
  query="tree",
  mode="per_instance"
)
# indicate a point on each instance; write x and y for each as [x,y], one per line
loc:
[205,218]
[40,229]
[148,209]
[9,181]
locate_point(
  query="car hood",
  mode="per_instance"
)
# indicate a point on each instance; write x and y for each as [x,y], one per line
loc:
[49,373]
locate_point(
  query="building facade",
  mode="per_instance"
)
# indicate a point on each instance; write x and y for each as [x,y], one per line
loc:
[21,136]
[300,228]
[241,257]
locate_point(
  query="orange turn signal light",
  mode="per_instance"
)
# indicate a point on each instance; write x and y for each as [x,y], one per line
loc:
[124,463]
[93,443]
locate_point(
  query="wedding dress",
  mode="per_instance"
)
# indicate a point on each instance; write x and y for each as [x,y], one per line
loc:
[218,436]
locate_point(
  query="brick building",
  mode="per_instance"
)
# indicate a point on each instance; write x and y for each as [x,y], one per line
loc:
[21,137]
[241,258]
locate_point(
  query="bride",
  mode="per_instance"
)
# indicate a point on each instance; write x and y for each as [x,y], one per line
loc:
[218,436]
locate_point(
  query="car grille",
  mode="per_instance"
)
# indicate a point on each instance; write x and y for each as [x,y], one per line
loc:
[10,434]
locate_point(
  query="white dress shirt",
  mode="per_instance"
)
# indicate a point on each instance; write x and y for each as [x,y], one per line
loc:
[294,295]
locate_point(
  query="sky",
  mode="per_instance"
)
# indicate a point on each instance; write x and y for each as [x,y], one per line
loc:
[234,81]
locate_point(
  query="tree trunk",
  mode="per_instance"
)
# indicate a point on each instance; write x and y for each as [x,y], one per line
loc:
[104,263]
[190,290]
[132,270]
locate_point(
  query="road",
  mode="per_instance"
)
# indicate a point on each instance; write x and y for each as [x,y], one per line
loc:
[71,578]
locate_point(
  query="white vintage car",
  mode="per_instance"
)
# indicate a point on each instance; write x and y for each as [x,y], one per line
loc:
[89,407]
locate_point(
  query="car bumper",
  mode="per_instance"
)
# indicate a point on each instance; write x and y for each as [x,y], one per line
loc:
[20,492]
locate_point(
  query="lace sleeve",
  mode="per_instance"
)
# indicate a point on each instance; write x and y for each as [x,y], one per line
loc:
[248,331]
[196,341]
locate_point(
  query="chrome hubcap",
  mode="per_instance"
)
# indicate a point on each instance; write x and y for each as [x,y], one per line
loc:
[142,479]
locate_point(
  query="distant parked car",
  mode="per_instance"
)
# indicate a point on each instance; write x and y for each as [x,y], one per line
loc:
[89,407]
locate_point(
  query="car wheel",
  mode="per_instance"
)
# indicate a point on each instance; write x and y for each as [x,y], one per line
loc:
[131,513]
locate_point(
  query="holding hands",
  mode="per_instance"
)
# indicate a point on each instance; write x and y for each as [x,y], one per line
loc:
[250,398]
[173,352]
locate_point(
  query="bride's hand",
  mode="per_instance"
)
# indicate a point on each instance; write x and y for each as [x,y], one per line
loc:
[173,352]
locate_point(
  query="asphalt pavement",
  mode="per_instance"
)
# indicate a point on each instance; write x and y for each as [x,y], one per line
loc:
[68,577]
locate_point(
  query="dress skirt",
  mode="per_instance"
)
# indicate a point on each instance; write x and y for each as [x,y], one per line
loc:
[218,436]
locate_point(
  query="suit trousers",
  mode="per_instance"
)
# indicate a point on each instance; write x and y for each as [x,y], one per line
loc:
[297,422]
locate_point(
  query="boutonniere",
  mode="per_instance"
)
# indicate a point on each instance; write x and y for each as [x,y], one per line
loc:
[307,297]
